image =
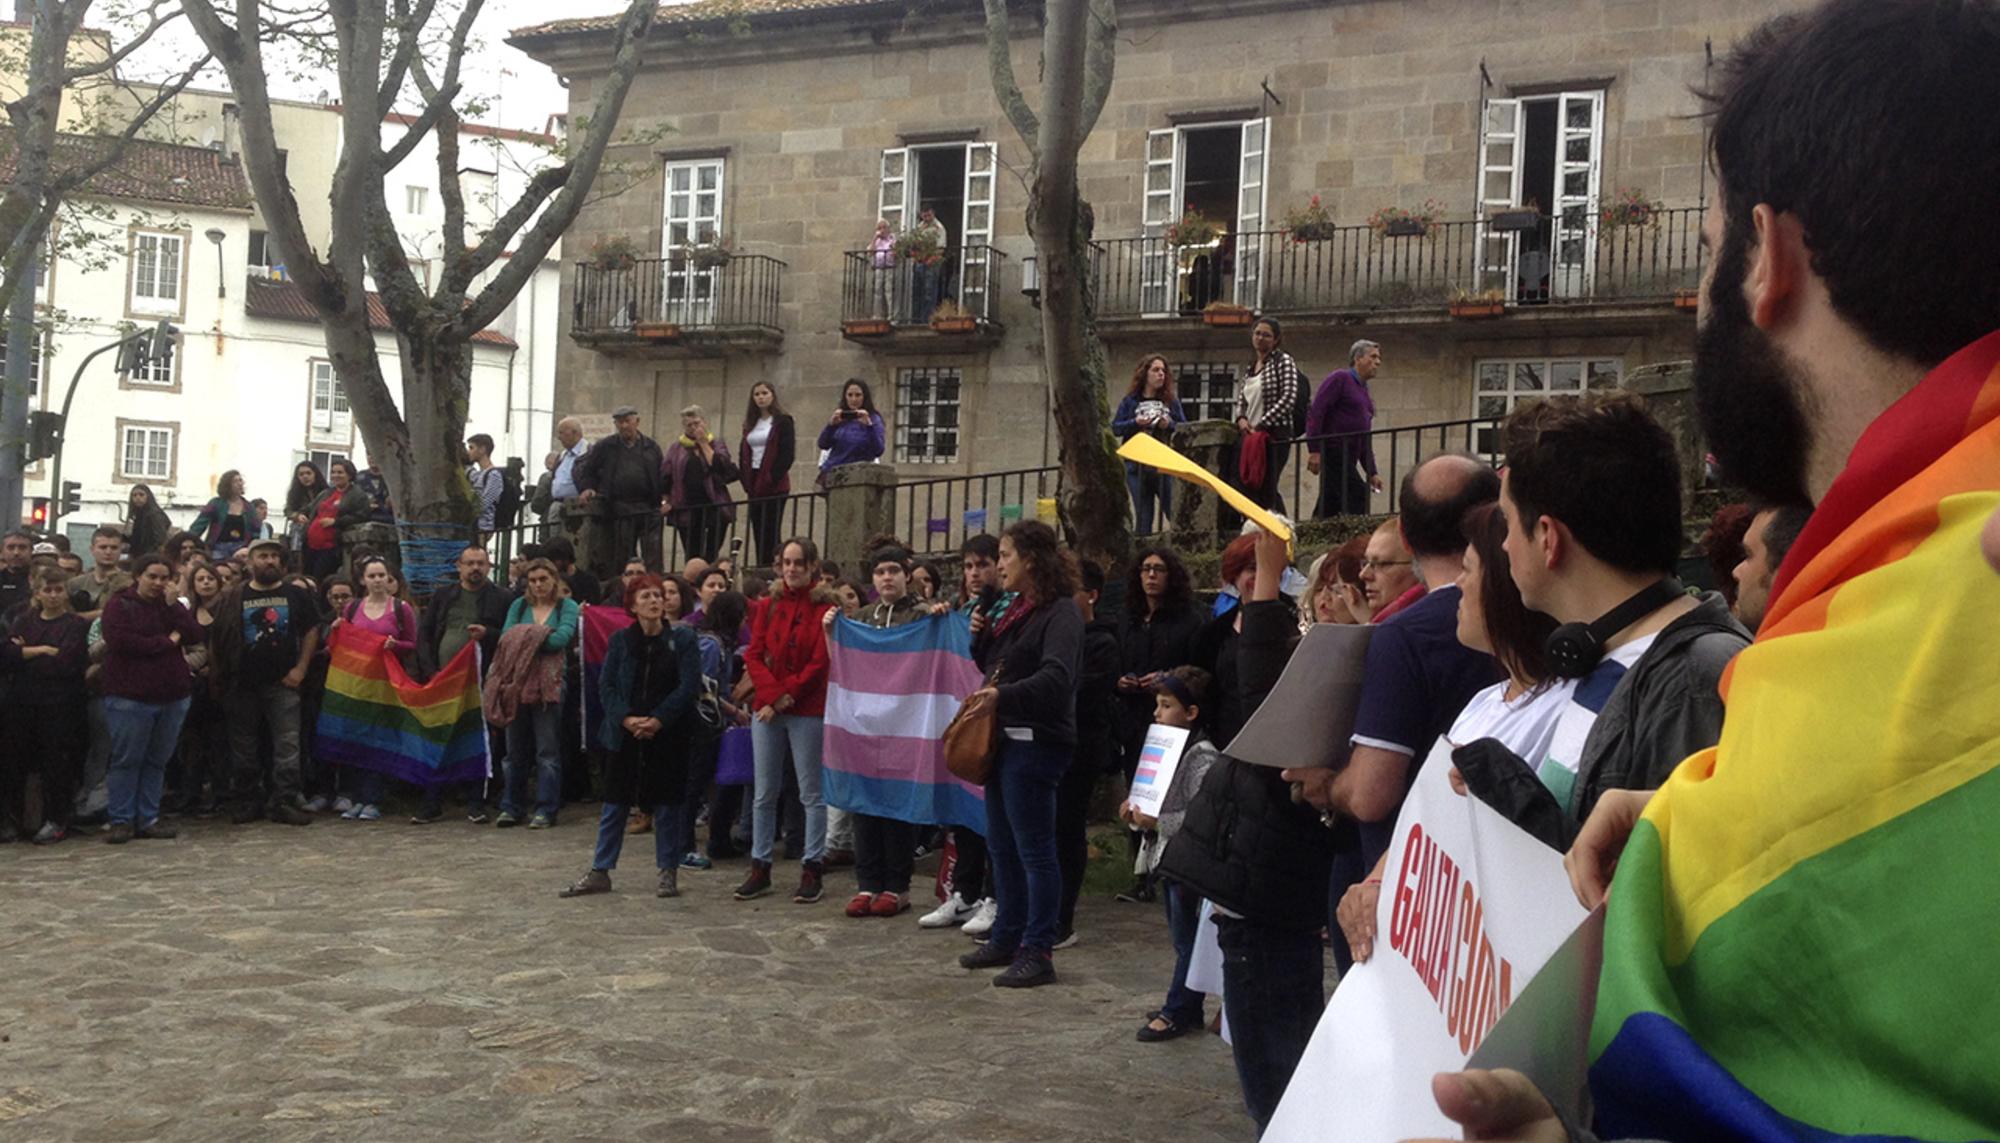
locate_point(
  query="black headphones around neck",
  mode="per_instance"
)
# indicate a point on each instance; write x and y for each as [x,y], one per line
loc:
[1575,648]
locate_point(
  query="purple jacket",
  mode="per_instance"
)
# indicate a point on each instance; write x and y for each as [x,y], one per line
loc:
[1343,404]
[141,662]
[853,442]
[674,475]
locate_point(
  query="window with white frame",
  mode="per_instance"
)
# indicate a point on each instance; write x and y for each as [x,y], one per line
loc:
[332,420]
[37,350]
[145,452]
[156,272]
[1500,385]
[927,414]
[155,372]
[1207,390]
[416,199]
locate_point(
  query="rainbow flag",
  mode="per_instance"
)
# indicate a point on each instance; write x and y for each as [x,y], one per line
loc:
[890,693]
[1802,926]
[599,625]
[376,717]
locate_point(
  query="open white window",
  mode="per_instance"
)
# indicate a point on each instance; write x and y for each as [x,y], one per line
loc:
[1543,153]
[332,421]
[693,220]
[955,182]
[1219,171]
[156,273]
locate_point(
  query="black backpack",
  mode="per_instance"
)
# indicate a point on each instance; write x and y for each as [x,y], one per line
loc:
[507,510]
[1301,405]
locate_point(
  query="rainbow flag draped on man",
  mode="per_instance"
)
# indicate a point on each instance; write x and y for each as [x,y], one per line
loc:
[890,693]
[1800,941]
[376,717]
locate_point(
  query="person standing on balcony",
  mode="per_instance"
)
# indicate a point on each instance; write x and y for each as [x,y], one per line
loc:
[765,454]
[696,473]
[1267,414]
[1152,407]
[1343,409]
[882,272]
[623,469]
[929,277]
[855,433]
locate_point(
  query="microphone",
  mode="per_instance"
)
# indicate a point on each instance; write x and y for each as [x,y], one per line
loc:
[988,596]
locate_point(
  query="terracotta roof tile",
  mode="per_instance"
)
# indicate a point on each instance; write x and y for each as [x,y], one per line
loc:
[702,11]
[282,301]
[153,172]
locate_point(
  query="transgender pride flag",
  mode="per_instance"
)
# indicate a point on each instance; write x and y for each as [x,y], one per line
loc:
[890,693]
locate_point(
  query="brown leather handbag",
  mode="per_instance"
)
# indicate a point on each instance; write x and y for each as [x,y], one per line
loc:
[971,741]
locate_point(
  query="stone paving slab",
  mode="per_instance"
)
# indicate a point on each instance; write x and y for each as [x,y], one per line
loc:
[389,981]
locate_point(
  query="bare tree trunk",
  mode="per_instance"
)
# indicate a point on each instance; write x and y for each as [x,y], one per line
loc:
[435,470]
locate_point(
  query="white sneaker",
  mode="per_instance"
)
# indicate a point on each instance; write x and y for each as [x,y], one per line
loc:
[316,806]
[982,919]
[342,804]
[954,911]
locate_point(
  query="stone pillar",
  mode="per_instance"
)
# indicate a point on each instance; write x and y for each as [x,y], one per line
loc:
[860,503]
[1668,390]
[1207,443]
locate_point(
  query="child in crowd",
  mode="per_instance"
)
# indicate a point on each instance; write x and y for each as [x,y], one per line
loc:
[1177,701]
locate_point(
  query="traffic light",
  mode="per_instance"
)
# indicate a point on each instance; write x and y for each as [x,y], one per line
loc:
[72,498]
[132,354]
[44,434]
[162,350]
[38,512]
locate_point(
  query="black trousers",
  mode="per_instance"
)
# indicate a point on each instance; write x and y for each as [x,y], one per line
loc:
[701,777]
[767,520]
[1343,490]
[968,874]
[45,739]
[1072,847]
[700,532]
[884,853]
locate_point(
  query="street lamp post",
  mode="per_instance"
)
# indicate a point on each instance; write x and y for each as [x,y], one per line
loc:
[139,340]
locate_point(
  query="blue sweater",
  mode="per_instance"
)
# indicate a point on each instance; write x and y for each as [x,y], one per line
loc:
[853,442]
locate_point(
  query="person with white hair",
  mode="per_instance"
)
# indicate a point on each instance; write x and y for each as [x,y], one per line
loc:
[1338,447]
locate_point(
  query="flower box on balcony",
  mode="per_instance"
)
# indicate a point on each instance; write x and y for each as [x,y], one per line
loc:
[1687,301]
[865,327]
[1477,310]
[1406,228]
[959,323]
[657,331]
[1514,221]
[1226,316]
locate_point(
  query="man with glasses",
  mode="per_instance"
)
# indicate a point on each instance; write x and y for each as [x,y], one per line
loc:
[1389,574]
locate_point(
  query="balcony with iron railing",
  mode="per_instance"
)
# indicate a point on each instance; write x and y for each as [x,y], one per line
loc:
[951,300]
[688,304]
[1521,264]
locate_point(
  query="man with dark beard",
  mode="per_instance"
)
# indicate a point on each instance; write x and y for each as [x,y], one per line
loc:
[1795,945]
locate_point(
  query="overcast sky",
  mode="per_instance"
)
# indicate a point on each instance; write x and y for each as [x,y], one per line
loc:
[524,92]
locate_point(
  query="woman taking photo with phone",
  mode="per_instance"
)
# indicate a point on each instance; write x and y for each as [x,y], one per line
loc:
[766,450]
[855,433]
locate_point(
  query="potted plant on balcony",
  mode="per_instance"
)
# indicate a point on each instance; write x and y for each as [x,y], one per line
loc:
[1226,314]
[614,252]
[1513,220]
[1487,303]
[1401,222]
[711,255]
[1194,229]
[1631,207]
[919,246]
[1310,223]
[950,317]
[1687,301]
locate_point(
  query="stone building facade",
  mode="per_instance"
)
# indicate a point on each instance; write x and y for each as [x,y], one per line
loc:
[1547,150]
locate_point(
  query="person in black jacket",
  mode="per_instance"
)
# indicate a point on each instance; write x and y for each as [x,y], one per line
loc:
[1262,858]
[623,470]
[1156,634]
[1096,745]
[766,450]
[471,609]
[1031,657]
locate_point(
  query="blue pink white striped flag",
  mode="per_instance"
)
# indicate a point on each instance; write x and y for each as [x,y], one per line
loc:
[890,693]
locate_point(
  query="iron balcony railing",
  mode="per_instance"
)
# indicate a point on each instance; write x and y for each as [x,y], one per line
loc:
[939,514]
[1538,261]
[904,292]
[800,514]
[678,290]
[1395,451]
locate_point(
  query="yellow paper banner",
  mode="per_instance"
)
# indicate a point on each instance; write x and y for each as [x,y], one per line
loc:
[1143,449]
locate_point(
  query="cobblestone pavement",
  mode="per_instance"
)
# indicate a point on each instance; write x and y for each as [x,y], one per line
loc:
[356,981]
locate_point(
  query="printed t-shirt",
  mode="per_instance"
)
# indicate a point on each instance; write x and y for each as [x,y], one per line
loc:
[275,621]
[1558,767]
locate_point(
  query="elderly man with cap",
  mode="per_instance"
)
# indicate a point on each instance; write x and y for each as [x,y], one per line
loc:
[263,641]
[563,489]
[621,475]
[1343,409]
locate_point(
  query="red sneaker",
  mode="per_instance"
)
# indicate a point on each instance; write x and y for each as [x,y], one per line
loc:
[864,904]
[890,904]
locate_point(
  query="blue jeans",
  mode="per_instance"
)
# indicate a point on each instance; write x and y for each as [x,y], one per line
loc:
[670,841]
[535,734]
[768,744]
[1183,1005]
[1273,988]
[143,736]
[1147,485]
[1021,841]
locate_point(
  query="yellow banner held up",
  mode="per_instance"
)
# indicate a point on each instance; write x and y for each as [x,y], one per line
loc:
[1143,449]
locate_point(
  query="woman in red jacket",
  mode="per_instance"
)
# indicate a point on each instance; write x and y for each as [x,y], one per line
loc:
[787,663]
